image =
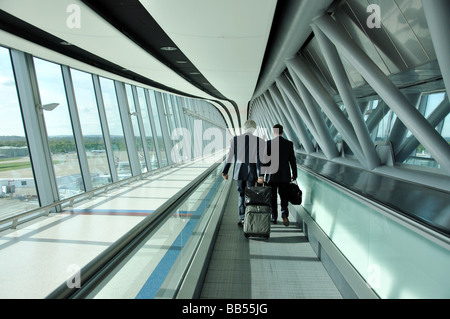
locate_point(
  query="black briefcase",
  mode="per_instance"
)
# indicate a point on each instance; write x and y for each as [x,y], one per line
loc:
[258,195]
[295,193]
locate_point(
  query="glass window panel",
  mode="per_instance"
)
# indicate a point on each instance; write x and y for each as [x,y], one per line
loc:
[136,131]
[118,144]
[17,186]
[433,102]
[164,161]
[189,104]
[147,129]
[170,116]
[370,107]
[420,156]
[446,129]
[385,126]
[59,129]
[176,111]
[91,128]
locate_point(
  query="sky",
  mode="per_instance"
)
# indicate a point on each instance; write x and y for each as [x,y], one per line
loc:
[52,91]
[10,117]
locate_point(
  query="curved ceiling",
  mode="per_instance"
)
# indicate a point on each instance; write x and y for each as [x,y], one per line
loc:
[225,40]
[220,44]
[222,50]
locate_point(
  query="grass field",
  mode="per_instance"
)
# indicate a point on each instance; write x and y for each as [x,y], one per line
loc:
[17,163]
[14,166]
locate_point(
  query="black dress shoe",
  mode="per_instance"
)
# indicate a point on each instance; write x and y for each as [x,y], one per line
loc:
[274,221]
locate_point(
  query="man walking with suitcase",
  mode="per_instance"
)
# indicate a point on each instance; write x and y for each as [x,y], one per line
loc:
[280,178]
[246,151]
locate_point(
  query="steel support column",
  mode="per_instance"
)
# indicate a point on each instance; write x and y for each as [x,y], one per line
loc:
[269,115]
[34,125]
[410,116]
[300,131]
[281,119]
[270,111]
[164,127]
[128,128]
[180,105]
[348,98]
[278,99]
[410,144]
[436,14]
[318,127]
[295,106]
[299,68]
[153,127]
[399,130]
[260,121]
[76,126]
[377,115]
[267,120]
[301,127]
[141,128]
[105,128]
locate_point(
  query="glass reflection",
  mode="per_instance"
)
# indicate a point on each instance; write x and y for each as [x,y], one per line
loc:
[164,161]
[91,128]
[136,132]
[148,129]
[430,103]
[59,129]
[121,160]
[17,186]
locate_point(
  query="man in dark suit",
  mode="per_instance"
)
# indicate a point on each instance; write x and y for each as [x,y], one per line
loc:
[280,177]
[245,151]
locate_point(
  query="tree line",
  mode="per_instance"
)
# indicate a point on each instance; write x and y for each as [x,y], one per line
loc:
[66,144]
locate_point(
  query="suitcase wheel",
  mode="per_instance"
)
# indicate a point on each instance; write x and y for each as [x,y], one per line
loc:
[265,236]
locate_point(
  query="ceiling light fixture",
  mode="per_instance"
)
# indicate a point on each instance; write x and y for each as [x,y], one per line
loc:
[182,62]
[169,48]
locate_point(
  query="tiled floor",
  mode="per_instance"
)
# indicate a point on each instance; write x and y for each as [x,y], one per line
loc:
[284,266]
[40,255]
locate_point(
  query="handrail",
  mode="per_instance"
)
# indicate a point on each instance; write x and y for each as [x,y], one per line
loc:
[400,217]
[191,284]
[103,264]
[48,208]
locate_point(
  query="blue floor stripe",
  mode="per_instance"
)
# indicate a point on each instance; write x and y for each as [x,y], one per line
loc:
[154,282]
[123,212]
[107,210]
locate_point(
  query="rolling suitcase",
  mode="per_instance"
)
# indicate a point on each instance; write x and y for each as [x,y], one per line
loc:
[258,212]
[257,221]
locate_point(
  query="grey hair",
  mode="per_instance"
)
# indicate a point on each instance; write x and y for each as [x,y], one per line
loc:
[249,125]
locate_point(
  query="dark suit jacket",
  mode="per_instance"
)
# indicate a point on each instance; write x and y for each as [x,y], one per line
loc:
[245,151]
[286,160]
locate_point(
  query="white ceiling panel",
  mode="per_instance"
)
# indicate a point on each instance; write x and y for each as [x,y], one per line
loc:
[95,35]
[225,39]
